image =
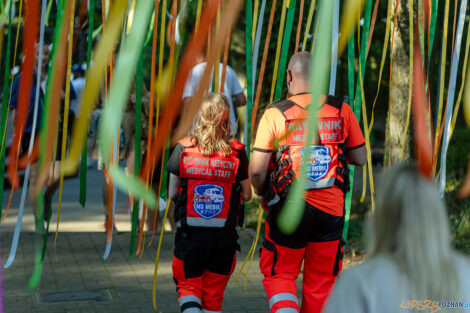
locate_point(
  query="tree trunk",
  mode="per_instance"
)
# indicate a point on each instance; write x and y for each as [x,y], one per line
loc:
[396,119]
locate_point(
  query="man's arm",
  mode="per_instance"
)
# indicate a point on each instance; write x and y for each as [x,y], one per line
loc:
[173,186]
[357,156]
[258,170]
[239,100]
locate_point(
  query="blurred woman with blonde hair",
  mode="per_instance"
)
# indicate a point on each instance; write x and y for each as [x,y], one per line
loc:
[410,254]
[208,182]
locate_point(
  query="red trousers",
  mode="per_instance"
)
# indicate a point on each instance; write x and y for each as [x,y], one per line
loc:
[203,263]
[318,245]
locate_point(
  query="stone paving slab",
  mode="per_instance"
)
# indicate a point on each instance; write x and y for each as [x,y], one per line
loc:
[76,264]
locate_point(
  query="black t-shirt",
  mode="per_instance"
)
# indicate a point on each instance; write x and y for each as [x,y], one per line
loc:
[173,165]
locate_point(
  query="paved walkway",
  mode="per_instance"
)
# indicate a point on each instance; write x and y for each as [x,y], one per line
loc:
[76,278]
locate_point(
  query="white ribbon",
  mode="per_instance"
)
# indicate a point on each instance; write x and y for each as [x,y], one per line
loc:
[450,96]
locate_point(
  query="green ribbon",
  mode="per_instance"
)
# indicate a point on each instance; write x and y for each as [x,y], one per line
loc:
[163,187]
[432,28]
[293,210]
[347,200]
[45,120]
[137,140]
[284,50]
[3,120]
[249,70]
[358,100]
[83,162]
[362,60]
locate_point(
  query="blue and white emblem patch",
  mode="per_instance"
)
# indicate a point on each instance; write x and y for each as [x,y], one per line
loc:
[208,200]
[318,163]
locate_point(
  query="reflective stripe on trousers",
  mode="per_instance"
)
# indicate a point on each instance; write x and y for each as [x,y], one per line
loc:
[287,310]
[285,296]
[192,310]
[190,304]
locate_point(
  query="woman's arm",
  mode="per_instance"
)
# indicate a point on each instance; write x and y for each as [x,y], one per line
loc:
[246,189]
[174,186]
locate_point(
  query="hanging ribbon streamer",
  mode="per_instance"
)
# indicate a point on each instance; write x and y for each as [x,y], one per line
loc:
[48,130]
[334,48]
[293,210]
[171,68]
[3,122]
[249,75]
[157,259]
[382,62]
[278,50]
[358,98]
[114,157]
[309,22]
[432,30]
[422,139]
[441,85]
[84,162]
[256,48]
[24,191]
[450,96]
[357,112]
[125,67]
[94,81]
[255,22]
[462,85]
[152,97]
[299,27]
[198,14]
[137,144]
[25,84]
[66,116]
[285,49]
[252,250]
[372,25]
[112,115]
[410,78]
[224,66]
[263,67]
[351,12]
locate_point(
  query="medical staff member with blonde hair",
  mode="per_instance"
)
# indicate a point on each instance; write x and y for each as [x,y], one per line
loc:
[208,181]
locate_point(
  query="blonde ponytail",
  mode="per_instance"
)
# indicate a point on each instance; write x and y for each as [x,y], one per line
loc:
[212,129]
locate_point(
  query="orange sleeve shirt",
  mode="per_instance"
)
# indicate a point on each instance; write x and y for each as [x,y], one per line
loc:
[272,130]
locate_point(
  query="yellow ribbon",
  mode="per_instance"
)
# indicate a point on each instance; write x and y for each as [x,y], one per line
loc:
[369,154]
[155,272]
[252,249]
[198,13]
[309,22]
[464,75]
[94,81]
[278,49]
[352,10]
[66,115]
[410,78]
[442,78]
[382,63]
[255,21]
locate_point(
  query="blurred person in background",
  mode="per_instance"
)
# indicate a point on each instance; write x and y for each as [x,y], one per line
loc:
[410,253]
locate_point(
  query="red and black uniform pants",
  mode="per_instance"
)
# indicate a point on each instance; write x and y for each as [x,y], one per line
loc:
[317,243]
[204,260]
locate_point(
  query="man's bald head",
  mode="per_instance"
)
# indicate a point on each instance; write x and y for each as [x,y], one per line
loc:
[299,65]
[297,72]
